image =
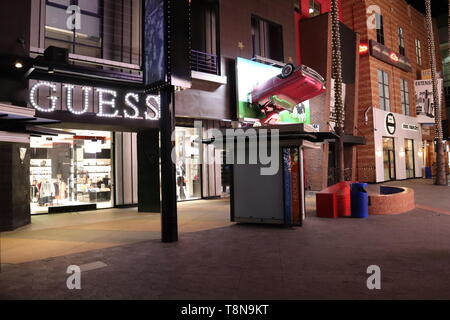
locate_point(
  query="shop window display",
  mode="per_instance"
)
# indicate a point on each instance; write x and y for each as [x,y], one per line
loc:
[188,168]
[70,170]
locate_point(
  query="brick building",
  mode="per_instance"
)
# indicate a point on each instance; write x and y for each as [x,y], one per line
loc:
[313,25]
[393,54]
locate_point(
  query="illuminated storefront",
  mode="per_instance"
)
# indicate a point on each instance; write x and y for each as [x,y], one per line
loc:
[188,166]
[398,146]
[94,165]
[69,170]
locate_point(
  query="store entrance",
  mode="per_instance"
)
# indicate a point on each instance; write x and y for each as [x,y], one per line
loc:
[188,166]
[389,159]
[409,158]
[71,170]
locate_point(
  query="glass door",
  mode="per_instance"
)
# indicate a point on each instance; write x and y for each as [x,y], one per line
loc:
[409,158]
[389,159]
[188,166]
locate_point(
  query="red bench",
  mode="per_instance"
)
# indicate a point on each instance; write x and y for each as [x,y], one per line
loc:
[334,201]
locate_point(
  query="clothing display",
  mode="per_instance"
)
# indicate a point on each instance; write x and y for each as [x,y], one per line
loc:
[71,170]
[47,189]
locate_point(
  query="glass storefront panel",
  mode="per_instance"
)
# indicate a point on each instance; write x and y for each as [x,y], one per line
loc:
[389,159]
[69,170]
[409,157]
[188,167]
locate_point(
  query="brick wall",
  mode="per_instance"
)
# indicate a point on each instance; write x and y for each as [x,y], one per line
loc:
[396,13]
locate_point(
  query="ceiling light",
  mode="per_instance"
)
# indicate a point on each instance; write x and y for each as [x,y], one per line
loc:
[18,65]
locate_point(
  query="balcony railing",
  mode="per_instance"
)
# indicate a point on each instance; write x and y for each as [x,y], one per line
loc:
[204,62]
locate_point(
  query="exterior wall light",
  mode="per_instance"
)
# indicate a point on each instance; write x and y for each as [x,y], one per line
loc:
[18,65]
[379,153]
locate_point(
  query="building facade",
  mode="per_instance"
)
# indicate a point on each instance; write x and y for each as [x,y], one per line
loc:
[76,68]
[313,26]
[395,111]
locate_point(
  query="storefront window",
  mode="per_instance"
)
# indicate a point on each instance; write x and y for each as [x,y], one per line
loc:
[85,38]
[188,167]
[389,159]
[95,28]
[409,155]
[71,170]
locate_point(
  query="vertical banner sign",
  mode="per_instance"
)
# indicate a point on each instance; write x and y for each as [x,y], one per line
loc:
[166,43]
[155,43]
[425,99]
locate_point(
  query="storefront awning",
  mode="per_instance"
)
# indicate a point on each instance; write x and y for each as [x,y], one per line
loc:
[27,125]
[354,140]
[286,133]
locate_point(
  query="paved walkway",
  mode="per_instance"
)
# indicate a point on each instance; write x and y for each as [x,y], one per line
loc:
[52,236]
[326,259]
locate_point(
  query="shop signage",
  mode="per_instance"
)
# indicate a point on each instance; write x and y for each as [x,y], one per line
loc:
[105,103]
[424,97]
[391,124]
[410,127]
[426,74]
[383,53]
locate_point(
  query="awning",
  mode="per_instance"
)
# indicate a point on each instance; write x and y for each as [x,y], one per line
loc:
[28,125]
[295,132]
[354,140]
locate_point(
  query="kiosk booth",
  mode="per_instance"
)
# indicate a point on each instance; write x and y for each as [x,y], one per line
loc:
[271,190]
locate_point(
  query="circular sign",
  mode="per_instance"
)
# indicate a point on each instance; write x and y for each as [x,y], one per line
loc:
[391,124]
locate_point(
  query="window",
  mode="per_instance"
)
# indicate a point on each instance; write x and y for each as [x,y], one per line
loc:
[204,36]
[296,5]
[315,8]
[404,93]
[70,170]
[267,38]
[64,30]
[383,86]
[380,28]
[95,28]
[401,41]
[418,52]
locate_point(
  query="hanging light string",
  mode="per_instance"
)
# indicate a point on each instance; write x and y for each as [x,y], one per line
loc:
[432,53]
[337,66]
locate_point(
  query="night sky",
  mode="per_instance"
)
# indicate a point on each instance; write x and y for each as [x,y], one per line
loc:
[439,7]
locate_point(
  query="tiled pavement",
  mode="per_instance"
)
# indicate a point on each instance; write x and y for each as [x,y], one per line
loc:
[324,259]
[59,235]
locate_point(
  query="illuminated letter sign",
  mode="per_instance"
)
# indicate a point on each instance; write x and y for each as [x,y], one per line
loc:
[131,105]
[53,99]
[109,103]
[102,103]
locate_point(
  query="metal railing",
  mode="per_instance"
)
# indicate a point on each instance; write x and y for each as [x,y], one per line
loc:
[204,62]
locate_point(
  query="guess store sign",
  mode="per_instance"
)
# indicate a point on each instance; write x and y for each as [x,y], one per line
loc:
[49,98]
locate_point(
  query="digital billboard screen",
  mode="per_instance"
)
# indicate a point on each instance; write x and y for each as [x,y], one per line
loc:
[250,76]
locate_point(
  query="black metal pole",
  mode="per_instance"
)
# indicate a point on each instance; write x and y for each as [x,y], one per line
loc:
[169,218]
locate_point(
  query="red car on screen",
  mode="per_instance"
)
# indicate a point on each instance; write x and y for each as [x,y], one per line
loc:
[286,91]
